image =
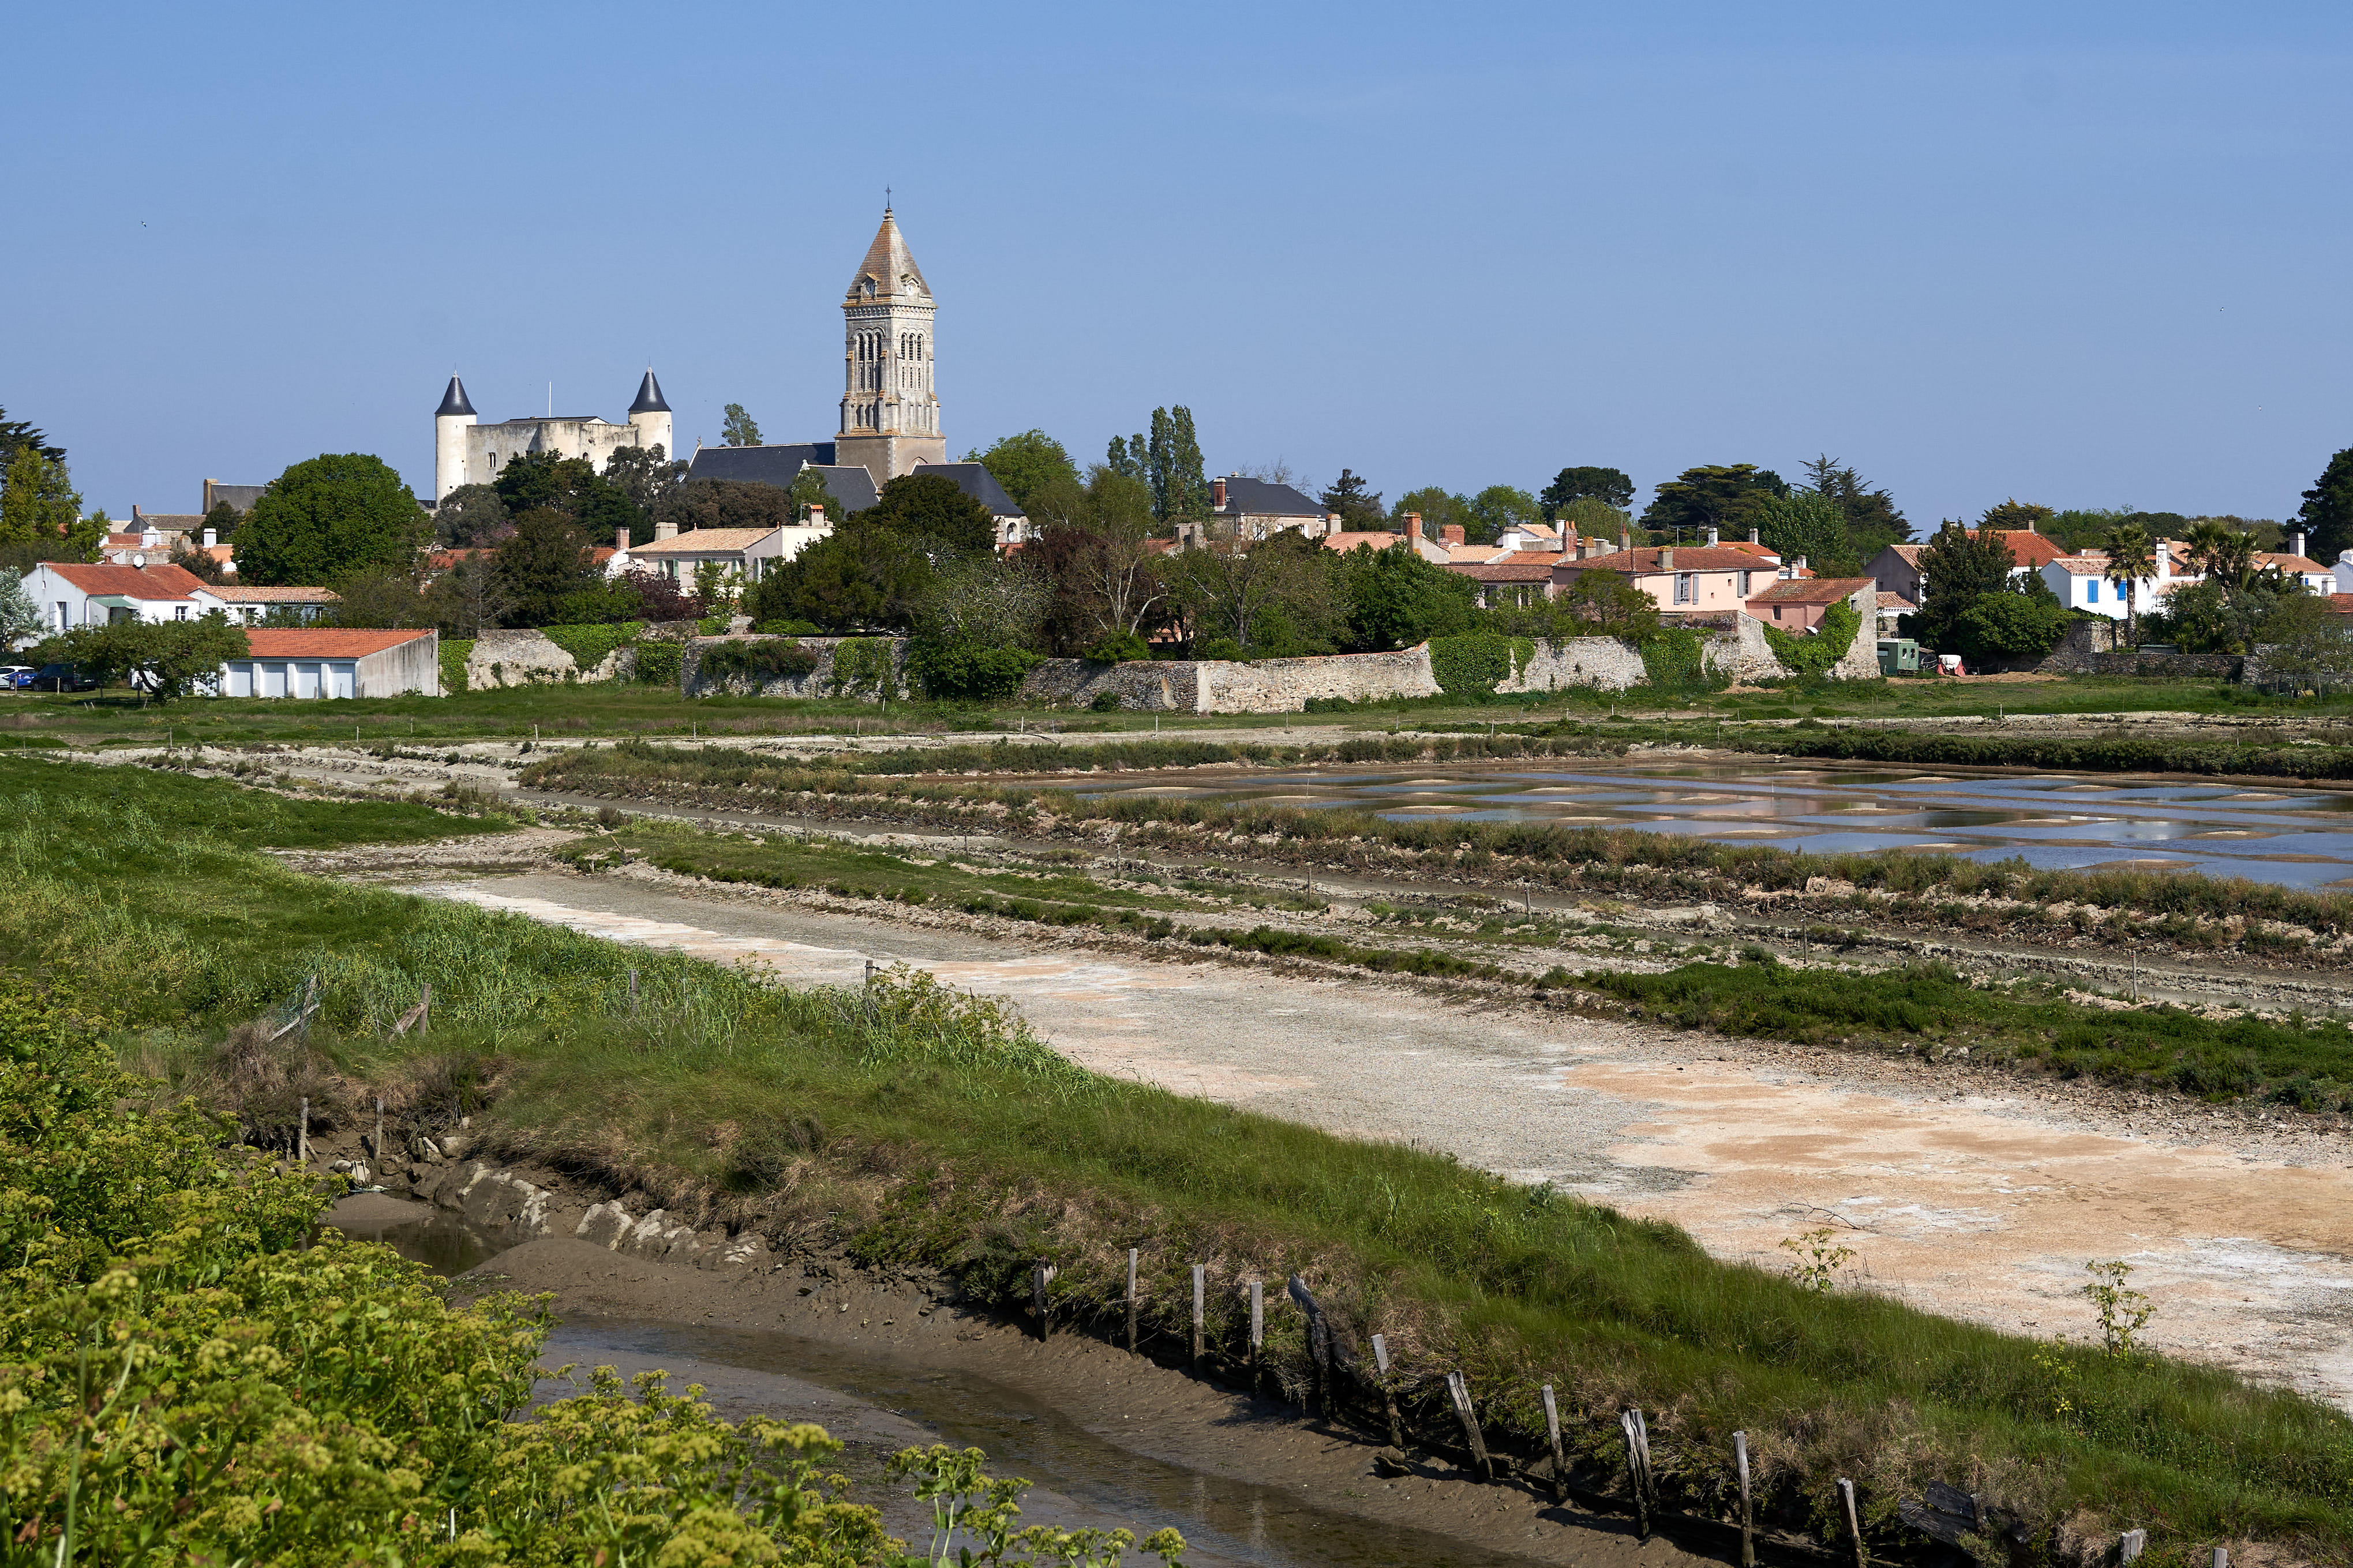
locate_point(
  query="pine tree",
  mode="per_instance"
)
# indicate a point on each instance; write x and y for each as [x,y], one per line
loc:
[740,430]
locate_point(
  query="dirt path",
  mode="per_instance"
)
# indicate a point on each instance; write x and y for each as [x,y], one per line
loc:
[1964,1192]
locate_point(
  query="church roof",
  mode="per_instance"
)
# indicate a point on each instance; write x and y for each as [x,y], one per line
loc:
[649,397]
[886,262]
[975,481]
[454,400]
[1258,498]
[850,484]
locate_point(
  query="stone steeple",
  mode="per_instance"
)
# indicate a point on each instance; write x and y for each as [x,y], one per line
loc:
[890,412]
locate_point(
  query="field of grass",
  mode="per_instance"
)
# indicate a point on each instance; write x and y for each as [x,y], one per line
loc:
[916,1128]
[215,809]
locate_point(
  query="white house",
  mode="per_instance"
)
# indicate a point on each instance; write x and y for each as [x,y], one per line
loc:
[2080,583]
[745,551]
[70,594]
[324,662]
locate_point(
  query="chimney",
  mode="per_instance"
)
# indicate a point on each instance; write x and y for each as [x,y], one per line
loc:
[1754,540]
[1218,495]
[1799,569]
[212,537]
[1412,528]
[2296,542]
[2164,554]
[1451,533]
[621,538]
[665,528]
[817,517]
[1666,557]
[1710,538]
[1331,522]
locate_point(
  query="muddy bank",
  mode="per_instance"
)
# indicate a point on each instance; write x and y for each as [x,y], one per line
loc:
[1115,1439]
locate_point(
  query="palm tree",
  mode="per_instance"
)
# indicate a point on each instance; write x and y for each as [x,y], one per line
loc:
[2129,562]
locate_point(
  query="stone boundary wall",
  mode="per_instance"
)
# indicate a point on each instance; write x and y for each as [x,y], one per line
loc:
[1285,685]
[1143,685]
[1604,664]
[519,659]
[818,682]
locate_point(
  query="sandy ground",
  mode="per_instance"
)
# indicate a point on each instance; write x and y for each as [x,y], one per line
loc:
[1967,1192]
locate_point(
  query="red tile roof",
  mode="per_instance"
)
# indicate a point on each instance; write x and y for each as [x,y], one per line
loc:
[1508,570]
[128,582]
[2028,548]
[230,593]
[1813,590]
[1642,561]
[323,642]
[2340,603]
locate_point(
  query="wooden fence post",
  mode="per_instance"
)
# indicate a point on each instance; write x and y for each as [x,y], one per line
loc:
[1258,1328]
[1748,1524]
[1043,1272]
[1853,1522]
[1461,1391]
[1130,1301]
[302,1138]
[425,1002]
[379,1133]
[1201,1283]
[1638,1468]
[1388,1394]
[633,993]
[1559,1459]
[2221,1557]
[1319,1343]
[2130,1545]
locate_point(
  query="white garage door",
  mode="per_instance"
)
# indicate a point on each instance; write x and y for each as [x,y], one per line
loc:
[341,676]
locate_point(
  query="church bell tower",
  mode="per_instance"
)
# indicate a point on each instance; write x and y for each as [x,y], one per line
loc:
[890,413]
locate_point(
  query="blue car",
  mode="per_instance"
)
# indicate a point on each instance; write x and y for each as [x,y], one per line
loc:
[15,676]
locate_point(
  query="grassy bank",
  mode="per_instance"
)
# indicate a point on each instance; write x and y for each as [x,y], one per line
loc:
[916,1128]
[2191,912]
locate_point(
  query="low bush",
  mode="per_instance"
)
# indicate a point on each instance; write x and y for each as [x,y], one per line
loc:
[757,661]
[590,645]
[968,672]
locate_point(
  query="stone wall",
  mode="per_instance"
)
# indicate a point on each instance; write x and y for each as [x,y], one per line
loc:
[516,659]
[1143,685]
[818,683]
[1603,663]
[1285,685]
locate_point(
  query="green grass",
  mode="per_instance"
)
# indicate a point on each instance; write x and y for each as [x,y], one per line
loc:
[1931,1008]
[921,1133]
[218,809]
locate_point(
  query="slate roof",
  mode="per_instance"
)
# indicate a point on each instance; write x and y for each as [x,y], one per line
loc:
[324,642]
[241,496]
[850,484]
[649,397]
[1257,497]
[454,401]
[975,481]
[1813,590]
[774,465]
[887,259]
[153,583]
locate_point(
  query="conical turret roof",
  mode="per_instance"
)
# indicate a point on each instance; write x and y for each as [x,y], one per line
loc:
[889,263]
[649,397]
[454,400]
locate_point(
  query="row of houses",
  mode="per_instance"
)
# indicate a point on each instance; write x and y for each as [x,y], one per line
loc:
[2080,579]
[70,594]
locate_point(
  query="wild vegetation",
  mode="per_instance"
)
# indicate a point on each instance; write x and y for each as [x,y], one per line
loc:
[930,1132]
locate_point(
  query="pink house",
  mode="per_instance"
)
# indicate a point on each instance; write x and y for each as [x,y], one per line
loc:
[1681,580]
[1799,605]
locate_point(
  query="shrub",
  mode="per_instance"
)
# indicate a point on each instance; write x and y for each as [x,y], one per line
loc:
[861,665]
[966,672]
[1675,659]
[1118,648]
[661,663]
[455,652]
[1816,654]
[760,661]
[1474,663]
[1105,702]
[788,628]
[1221,648]
[589,645]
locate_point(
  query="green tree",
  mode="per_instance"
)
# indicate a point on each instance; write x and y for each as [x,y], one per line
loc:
[1026,463]
[545,560]
[1809,523]
[739,430]
[645,474]
[1607,602]
[1396,599]
[2130,561]
[860,577]
[2024,517]
[1095,553]
[223,520]
[383,599]
[2327,509]
[1591,516]
[472,517]
[1359,507]
[1499,506]
[19,617]
[1872,520]
[165,658]
[1612,486]
[1130,457]
[38,505]
[1180,490]
[2011,626]
[728,503]
[930,506]
[1281,594]
[1728,496]
[328,519]
[15,434]
[1438,510]
[807,491]
[573,487]
[1957,568]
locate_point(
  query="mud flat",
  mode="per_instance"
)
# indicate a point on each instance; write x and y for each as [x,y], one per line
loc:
[1967,1192]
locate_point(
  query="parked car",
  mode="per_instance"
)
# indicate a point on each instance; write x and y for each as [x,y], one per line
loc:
[13,677]
[61,678]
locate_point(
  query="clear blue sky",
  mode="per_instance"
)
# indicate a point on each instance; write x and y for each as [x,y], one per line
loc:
[2085,254]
